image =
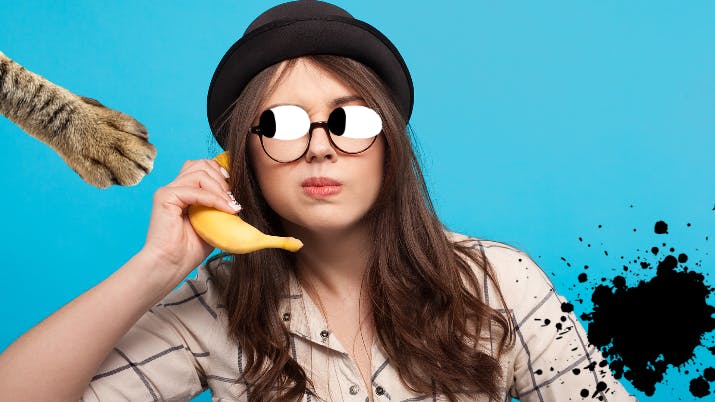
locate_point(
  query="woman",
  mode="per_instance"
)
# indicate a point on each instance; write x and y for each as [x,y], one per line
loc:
[380,304]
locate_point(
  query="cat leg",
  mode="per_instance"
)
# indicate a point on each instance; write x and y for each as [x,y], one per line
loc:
[102,145]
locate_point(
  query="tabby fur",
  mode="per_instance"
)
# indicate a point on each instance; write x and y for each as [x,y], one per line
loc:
[102,145]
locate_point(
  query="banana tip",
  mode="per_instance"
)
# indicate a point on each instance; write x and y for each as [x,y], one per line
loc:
[293,244]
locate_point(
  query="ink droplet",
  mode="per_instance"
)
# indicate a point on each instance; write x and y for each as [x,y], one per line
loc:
[582,277]
[566,307]
[600,387]
[699,387]
[709,374]
[619,282]
[661,227]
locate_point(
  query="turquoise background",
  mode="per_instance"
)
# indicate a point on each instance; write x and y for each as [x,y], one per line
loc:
[537,122]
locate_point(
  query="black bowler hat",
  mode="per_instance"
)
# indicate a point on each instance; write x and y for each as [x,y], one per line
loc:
[301,28]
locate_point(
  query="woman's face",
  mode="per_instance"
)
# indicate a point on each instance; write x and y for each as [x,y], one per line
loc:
[325,190]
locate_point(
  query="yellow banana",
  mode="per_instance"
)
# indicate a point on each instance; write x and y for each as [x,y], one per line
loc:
[229,232]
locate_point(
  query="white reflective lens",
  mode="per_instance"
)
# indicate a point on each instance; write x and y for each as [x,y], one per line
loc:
[361,122]
[291,122]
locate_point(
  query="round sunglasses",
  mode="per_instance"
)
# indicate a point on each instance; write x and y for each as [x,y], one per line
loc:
[285,131]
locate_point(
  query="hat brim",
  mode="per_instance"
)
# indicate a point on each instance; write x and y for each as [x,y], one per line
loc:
[286,39]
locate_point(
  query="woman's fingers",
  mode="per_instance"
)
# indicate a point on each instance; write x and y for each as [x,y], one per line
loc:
[202,179]
[209,165]
[206,174]
[183,196]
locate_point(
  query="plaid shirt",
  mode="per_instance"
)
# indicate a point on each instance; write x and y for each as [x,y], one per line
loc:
[180,347]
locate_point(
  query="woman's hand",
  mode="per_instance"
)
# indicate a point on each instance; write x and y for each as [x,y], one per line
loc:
[171,238]
[67,347]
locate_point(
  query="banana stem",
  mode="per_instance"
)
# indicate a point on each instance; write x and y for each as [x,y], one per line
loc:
[286,243]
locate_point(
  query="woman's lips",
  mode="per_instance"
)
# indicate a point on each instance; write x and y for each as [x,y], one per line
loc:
[321,187]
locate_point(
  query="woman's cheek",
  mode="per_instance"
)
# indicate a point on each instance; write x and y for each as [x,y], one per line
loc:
[275,190]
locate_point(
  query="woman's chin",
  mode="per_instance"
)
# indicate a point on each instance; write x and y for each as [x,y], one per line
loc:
[322,224]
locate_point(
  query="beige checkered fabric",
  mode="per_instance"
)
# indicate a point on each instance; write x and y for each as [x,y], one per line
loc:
[179,348]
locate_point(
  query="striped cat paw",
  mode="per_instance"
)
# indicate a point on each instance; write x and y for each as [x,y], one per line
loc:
[110,147]
[102,145]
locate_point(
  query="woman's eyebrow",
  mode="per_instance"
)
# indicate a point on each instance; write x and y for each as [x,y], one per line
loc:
[279,104]
[345,99]
[334,103]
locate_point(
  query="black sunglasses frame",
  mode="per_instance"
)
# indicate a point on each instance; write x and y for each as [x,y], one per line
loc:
[323,124]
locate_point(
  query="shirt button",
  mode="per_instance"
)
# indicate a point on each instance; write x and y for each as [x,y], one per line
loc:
[324,333]
[379,390]
[286,316]
[354,389]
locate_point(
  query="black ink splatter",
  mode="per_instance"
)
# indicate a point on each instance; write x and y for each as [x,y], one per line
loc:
[699,387]
[644,329]
[661,227]
[566,307]
[600,387]
[709,374]
[638,325]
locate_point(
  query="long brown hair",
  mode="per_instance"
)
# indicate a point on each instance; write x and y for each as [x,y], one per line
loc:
[434,346]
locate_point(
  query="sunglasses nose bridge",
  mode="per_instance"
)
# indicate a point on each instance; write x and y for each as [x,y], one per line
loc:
[325,148]
[311,137]
[321,124]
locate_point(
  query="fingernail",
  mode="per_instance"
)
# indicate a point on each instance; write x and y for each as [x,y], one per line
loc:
[235,206]
[230,194]
[224,172]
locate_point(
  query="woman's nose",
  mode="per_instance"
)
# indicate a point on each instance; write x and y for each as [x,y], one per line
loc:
[320,147]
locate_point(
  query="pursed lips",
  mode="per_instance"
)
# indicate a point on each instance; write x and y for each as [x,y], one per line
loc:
[321,187]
